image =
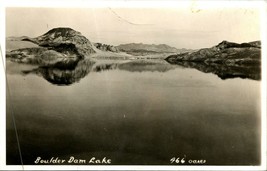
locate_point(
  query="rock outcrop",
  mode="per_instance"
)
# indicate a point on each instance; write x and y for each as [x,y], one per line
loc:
[38,55]
[64,40]
[57,45]
[107,48]
[228,53]
[226,60]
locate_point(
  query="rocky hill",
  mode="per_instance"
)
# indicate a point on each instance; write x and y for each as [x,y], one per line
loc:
[64,40]
[57,45]
[225,53]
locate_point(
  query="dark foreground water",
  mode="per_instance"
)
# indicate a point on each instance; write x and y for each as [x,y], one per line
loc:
[132,112]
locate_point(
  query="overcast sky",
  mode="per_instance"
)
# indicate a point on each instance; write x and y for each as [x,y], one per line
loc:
[181,28]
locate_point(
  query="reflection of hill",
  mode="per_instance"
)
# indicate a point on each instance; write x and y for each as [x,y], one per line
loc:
[71,72]
[105,66]
[226,71]
[62,74]
[136,66]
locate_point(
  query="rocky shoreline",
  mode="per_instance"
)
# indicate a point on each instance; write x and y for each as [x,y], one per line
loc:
[227,53]
[65,48]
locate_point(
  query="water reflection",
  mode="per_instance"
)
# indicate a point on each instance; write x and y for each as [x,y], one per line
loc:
[225,71]
[131,112]
[63,74]
[69,73]
[136,66]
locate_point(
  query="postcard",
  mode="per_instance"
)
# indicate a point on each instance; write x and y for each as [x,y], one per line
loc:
[131,85]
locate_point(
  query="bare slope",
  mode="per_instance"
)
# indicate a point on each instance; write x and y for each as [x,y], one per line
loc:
[225,52]
[63,45]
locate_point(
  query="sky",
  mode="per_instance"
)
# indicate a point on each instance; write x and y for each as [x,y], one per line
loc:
[177,27]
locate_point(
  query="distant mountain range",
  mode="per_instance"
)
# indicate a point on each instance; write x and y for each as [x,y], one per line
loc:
[139,48]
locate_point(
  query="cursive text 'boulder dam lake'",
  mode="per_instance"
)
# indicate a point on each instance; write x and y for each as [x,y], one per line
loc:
[70,101]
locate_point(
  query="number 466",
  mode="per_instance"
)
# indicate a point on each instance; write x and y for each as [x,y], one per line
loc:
[177,160]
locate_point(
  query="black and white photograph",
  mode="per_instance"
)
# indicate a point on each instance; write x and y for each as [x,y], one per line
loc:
[175,86]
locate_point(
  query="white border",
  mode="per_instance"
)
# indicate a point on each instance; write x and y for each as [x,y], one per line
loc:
[132,4]
[200,4]
[263,85]
[2,88]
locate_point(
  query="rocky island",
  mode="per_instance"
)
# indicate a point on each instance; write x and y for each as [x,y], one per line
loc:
[227,60]
[59,45]
[228,53]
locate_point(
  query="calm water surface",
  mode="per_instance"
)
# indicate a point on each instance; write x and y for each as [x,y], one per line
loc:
[133,113]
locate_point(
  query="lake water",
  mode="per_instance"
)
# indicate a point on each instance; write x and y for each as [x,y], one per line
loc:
[132,112]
